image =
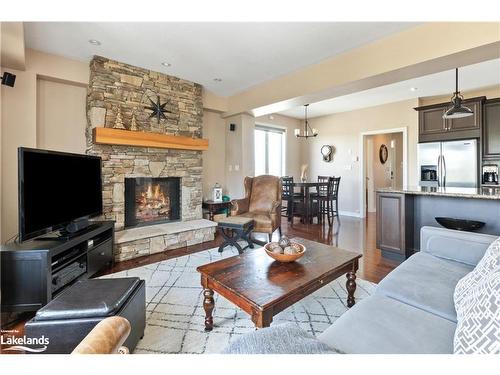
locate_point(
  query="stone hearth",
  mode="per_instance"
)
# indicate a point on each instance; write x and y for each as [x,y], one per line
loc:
[141,241]
[119,93]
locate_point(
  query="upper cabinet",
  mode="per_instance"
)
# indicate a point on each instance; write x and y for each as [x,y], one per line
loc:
[432,127]
[491,130]
[431,123]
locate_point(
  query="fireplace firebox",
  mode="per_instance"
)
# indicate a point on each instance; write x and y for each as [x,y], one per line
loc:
[152,200]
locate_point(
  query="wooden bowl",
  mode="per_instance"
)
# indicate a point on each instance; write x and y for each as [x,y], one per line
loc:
[285,258]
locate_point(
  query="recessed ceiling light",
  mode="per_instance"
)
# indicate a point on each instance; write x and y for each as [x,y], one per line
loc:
[94,42]
[217,79]
[413,89]
[166,64]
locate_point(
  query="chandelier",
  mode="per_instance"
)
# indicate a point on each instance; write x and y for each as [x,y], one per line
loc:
[308,131]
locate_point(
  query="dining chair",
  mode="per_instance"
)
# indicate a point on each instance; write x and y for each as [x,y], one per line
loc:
[286,195]
[321,190]
[289,196]
[328,199]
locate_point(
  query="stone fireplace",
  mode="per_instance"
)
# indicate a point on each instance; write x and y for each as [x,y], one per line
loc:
[154,195]
[152,200]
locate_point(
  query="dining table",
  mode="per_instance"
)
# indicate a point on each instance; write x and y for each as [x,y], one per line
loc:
[305,189]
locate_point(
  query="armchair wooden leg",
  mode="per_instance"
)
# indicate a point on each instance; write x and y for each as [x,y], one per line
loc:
[270,235]
[279,231]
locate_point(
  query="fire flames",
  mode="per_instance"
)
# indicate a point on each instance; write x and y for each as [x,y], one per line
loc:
[152,203]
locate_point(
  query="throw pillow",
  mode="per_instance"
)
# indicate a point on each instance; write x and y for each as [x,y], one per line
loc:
[478,316]
[489,262]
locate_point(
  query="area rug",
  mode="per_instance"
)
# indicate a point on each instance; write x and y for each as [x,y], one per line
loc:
[175,315]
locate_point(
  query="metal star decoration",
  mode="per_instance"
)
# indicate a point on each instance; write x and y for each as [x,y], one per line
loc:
[158,109]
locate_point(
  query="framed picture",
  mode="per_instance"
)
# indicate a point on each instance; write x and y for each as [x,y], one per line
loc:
[217,194]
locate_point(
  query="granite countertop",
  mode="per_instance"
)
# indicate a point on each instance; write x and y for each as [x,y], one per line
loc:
[474,193]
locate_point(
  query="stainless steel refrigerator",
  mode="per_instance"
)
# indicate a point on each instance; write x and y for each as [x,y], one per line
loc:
[448,164]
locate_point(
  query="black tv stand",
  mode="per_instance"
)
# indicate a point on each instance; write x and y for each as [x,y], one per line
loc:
[64,235]
[35,271]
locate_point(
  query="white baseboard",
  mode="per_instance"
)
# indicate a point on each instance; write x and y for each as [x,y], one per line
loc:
[350,213]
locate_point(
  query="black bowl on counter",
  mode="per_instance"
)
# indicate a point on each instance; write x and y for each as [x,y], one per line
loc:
[460,224]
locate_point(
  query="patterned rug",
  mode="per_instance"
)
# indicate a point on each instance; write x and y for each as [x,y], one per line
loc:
[175,315]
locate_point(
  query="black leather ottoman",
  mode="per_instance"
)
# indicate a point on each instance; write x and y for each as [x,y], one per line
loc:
[68,318]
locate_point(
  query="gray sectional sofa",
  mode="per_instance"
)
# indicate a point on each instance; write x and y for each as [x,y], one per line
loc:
[412,310]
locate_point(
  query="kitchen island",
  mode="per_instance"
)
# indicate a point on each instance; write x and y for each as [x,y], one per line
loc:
[401,212]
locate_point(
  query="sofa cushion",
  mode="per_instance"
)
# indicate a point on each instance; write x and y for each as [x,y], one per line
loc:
[382,325]
[280,339]
[426,282]
[262,221]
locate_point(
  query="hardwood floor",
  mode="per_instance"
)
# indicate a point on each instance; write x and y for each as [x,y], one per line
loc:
[348,233]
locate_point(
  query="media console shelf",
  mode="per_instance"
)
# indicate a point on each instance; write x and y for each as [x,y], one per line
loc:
[35,271]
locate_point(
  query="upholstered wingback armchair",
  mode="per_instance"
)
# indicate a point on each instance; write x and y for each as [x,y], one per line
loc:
[262,203]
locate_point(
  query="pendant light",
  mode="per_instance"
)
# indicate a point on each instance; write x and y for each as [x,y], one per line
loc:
[308,131]
[457,110]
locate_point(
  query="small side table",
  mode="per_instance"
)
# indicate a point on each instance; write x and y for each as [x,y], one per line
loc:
[236,228]
[216,207]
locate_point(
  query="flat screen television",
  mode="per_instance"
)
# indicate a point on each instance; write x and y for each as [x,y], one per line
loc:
[56,189]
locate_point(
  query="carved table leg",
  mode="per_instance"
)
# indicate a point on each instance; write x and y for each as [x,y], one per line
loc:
[351,288]
[208,305]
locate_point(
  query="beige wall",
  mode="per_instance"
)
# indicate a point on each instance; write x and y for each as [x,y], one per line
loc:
[343,131]
[19,119]
[12,53]
[214,159]
[61,117]
[293,157]
[239,153]
[489,92]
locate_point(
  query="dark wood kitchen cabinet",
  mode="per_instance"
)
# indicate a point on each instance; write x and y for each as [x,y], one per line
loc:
[491,130]
[432,127]
[395,224]
[431,122]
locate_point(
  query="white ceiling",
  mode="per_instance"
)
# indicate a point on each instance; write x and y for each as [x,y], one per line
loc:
[241,54]
[471,77]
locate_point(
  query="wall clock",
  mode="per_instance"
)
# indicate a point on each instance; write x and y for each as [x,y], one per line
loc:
[327,152]
[383,154]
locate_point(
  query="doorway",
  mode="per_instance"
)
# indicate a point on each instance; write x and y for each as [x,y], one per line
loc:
[384,156]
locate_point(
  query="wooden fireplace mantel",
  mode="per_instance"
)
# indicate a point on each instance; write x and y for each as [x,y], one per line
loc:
[110,136]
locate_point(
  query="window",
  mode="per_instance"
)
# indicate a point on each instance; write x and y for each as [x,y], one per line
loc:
[269,151]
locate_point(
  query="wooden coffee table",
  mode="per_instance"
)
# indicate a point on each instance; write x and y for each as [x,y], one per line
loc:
[262,287]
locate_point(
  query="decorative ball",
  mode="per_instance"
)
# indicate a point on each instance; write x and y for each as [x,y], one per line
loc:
[278,250]
[296,247]
[289,250]
[275,248]
[284,242]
